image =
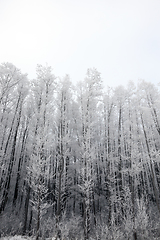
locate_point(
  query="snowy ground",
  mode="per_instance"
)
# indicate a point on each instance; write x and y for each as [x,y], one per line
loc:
[16,238]
[21,238]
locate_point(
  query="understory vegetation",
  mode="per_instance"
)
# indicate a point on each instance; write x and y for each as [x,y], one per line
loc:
[78,161]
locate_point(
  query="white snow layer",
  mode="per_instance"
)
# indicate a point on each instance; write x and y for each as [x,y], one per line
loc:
[17,238]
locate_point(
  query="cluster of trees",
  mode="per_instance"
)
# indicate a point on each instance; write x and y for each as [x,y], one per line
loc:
[78,161]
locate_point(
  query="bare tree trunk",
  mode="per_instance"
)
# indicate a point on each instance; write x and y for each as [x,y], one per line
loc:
[19,167]
[26,209]
[38,215]
[154,181]
[10,167]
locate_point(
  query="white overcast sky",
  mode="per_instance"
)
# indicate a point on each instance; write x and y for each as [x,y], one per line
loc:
[121,38]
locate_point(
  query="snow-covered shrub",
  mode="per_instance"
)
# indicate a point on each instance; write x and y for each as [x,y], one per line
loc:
[104,232]
[70,229]
[142,219]
[48,227]
[10,224]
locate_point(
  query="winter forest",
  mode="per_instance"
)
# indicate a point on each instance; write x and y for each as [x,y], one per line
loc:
[78,161]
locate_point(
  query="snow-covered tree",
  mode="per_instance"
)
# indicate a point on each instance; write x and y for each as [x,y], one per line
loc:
[89,97]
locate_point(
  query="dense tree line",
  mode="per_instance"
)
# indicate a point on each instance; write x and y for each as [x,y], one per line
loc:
[78,162]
